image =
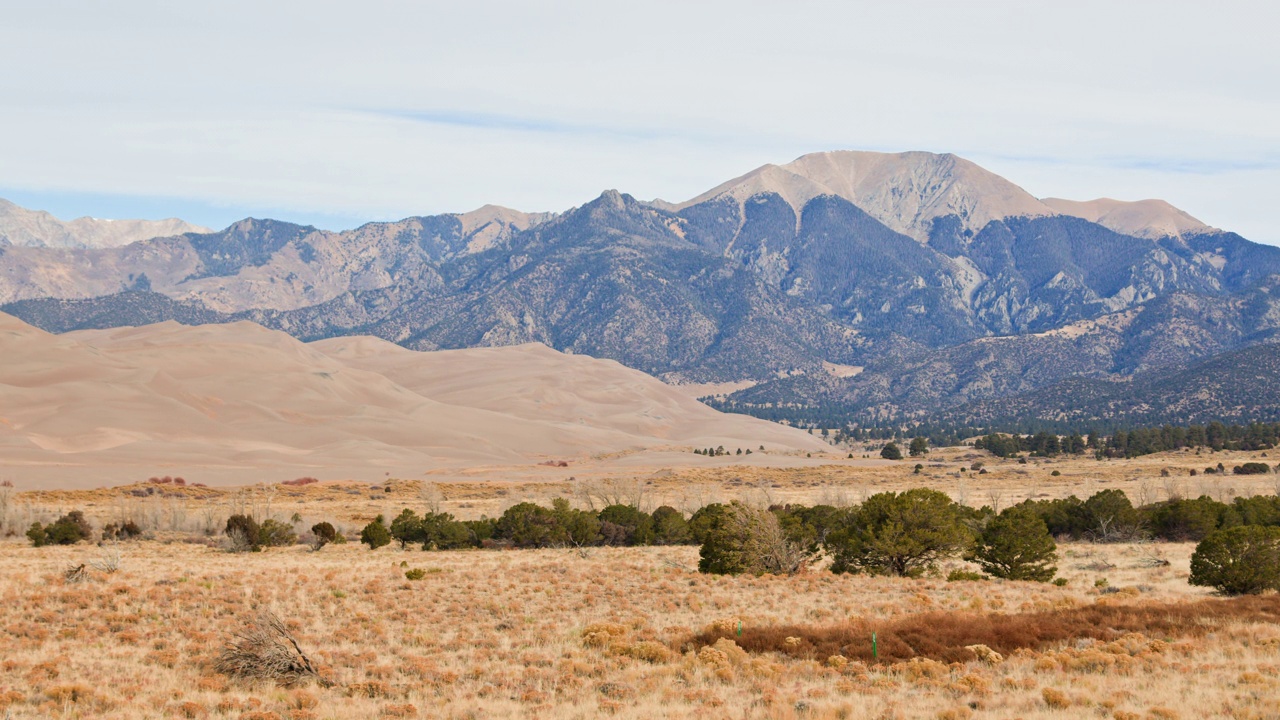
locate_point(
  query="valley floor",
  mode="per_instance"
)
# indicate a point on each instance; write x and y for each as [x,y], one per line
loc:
[568,634]
[613,631]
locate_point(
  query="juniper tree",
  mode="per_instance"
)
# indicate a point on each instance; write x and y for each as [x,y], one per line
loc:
[1016,545]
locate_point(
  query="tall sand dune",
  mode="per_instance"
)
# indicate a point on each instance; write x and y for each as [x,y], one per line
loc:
[239,403]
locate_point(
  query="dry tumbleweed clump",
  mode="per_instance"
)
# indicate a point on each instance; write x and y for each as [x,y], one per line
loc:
[264,650]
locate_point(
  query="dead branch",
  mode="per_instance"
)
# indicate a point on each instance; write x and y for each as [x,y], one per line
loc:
[265,650]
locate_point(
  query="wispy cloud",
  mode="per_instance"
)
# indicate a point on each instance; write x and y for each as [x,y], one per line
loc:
[1193,166]
[1155,163]
[517,123]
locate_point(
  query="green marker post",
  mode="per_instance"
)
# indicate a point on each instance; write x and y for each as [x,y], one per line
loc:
[875,652]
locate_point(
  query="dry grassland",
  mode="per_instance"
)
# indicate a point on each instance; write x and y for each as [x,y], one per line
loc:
[622,632]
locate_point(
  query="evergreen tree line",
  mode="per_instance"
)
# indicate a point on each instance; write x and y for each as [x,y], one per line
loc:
[1106,516]
[1116,440]
[901,534]
[1135,443]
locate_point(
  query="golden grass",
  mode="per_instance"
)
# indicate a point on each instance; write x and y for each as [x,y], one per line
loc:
[563,634]
[606,632]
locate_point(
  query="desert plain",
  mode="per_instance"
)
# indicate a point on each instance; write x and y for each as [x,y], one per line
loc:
[624,632]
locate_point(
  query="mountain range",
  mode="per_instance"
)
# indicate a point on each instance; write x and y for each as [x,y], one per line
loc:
[866,287]
[34,228]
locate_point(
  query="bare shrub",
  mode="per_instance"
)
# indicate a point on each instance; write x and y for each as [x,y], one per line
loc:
[76,573]
[599,494]
[265,651]
[108,562]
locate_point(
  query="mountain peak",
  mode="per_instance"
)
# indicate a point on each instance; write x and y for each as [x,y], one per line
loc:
[1141,218]
[488,214]
[905,191]
[36,228]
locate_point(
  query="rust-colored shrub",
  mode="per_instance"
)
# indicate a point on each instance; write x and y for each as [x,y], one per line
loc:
[1055,698]
[946,636]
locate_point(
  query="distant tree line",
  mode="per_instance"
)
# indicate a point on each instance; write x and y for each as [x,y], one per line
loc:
[1134,443]
[1113,440]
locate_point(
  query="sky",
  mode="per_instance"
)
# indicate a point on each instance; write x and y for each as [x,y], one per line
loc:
[335,114]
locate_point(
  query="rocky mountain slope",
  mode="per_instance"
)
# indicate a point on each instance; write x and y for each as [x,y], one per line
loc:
[1157,338]
[944,283]
[33,228]
[1234,387]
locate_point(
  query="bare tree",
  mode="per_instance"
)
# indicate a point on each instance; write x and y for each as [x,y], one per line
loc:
[994,498]
[1145,493]
[611,491]
[431,496]
[697,496]
[835,497]
[6,499]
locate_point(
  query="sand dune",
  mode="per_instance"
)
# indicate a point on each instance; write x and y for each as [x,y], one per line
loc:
[239,403]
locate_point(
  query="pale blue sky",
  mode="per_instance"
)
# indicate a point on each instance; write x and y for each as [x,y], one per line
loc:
[337,113]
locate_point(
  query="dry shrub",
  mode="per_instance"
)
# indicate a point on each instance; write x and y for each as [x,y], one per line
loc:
[985,654]
[947,636]
[190,709]
[74,693]
[603,634]
[616,690]
[1055,698]
[370,689]
[265,650]
[649,651]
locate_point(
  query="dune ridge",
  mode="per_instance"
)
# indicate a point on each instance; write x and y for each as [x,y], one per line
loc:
[240,403]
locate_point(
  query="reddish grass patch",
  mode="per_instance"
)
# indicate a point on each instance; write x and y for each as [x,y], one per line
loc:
[299,482]
[944,635]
